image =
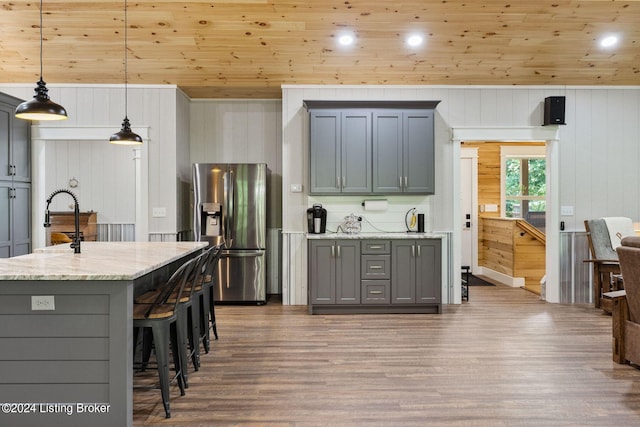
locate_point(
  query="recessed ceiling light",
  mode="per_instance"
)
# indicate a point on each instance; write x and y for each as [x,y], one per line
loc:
[609,41]
[414,40]
[346,39]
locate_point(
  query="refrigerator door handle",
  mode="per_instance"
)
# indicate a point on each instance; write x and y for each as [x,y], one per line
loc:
[244,253]
[231,196]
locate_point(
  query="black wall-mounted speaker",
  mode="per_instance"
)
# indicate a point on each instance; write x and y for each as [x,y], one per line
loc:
[554,110]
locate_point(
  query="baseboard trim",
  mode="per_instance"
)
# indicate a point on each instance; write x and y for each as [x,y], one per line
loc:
[514,282]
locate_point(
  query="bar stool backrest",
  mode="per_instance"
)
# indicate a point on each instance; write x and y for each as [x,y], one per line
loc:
[209,269]
[174,286]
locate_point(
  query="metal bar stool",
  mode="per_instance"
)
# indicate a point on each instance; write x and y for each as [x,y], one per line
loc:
[207,304]
[160,315]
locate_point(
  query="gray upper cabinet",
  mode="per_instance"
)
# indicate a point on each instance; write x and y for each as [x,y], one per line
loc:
[15,143]
[340,152]
[381,147]
[15,180]
[403,152]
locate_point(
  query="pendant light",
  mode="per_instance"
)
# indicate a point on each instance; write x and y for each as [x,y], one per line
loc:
[40,107]
[126,135]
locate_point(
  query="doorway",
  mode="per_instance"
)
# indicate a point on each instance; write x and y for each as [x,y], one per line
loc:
[547,135]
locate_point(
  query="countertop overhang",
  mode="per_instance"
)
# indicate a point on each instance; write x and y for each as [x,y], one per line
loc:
[98,261]
[376,235]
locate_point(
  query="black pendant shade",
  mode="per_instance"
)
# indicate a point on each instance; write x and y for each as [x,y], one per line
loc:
[41,107]
[126,135]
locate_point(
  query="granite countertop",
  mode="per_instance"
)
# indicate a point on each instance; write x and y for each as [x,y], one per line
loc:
[97,261]
[376,235]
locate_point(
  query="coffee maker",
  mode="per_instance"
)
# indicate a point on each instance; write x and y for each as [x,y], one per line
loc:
[317,219]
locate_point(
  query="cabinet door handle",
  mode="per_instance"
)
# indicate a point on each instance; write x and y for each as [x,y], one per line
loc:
[400,179]
[375,292]
[337,181]
[344,182]
[419,251]
[333,251]
[375,267]
[338,251]
[405,182]
[375,247]
[413,251]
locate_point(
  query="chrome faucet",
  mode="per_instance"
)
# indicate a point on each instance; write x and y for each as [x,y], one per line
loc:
[76,213]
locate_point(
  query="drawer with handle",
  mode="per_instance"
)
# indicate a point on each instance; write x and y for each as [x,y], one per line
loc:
[373,247]
[375,291]
[376,266]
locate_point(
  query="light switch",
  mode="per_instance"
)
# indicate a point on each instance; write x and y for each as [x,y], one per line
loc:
[566,210]
[159,212]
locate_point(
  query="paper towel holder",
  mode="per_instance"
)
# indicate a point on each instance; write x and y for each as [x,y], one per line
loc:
[375,205]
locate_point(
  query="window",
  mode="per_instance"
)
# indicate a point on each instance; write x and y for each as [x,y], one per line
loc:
[524,184]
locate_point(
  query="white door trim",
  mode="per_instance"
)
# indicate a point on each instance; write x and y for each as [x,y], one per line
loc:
[547,134]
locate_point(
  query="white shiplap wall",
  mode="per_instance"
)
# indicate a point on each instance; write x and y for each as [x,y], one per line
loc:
[241,131]
[598,148]
[105,172]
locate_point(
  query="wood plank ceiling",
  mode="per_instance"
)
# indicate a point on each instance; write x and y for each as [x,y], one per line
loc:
[248,48]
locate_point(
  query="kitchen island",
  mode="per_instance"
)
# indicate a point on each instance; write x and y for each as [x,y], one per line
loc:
[66,330]
[375,273]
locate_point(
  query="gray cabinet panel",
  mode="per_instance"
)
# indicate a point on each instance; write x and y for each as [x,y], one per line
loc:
[403,276]
[15,142]
[58,348]
[322,272]
[418,152]
[15,174]
[356,152]
[325,150]
[43,393]
[21,218]
[5,218]
[428,271]
[387,152]
[347,272]
[55,372]
[5,141]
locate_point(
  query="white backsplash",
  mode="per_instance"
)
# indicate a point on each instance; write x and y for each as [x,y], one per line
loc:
[390,220]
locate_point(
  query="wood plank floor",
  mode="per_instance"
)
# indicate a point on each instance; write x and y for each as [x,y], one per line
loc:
[504,358]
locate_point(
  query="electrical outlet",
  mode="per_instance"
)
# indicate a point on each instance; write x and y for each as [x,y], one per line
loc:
[159,212]
[43,302]
[296,188]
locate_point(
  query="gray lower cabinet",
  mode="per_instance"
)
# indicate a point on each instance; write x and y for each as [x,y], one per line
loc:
[334,270]
[416,271]
[15,218]
[375,276]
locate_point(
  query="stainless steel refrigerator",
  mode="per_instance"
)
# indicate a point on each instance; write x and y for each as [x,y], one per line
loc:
[230,208]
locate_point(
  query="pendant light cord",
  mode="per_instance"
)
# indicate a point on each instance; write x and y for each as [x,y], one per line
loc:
[40,39]
[126,81]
